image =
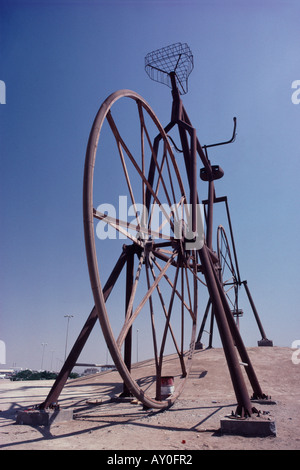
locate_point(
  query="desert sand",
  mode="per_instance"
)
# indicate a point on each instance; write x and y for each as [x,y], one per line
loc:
[191,424]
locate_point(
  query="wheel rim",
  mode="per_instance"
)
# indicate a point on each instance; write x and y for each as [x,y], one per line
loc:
[160,279]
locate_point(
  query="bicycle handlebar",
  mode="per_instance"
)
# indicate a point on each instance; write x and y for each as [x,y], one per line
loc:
[228,141]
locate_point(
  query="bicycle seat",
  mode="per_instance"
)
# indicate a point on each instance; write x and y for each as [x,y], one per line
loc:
[176,58]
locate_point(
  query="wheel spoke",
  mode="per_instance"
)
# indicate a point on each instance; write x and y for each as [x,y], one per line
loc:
[118,224]
[130,321]
[134,288]
[188,287]
[142,153]
[166,151]
[121,144]
[159,169]
[177,292]
[153,206]
[164,307]
[152,321]
[163,343]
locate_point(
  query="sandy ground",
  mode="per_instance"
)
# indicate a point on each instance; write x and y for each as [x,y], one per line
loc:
[193,423]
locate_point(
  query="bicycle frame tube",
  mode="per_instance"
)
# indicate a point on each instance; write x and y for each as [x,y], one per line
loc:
[227,328]
[180,117]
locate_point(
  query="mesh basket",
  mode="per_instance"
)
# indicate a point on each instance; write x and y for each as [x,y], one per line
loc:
[176,58]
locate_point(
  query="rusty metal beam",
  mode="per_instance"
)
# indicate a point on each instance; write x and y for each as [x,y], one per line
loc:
[82,339]
[244,407]
[128,340]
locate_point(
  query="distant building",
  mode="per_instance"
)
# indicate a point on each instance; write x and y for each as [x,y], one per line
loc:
[91,370]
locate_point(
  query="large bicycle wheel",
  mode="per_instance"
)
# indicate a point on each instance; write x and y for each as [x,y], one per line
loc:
[228,276]
[136,222]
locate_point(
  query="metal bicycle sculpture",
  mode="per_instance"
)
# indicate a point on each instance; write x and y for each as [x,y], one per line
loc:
[161,258]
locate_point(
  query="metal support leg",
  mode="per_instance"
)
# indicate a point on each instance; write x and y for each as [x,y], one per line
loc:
[128,340]
[70,361]
[257,391]
[193,195]
[211,190]
[199,344]
[244,405]
[264,341]
[211,330]
[81,340]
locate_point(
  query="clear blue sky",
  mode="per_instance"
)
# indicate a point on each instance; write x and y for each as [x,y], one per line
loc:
[59,61]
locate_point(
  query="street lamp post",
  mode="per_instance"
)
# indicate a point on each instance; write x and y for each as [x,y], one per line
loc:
[44,345]
[52,352]
[68,317]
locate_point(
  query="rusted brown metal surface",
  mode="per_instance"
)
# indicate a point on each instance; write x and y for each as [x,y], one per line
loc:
[171,66]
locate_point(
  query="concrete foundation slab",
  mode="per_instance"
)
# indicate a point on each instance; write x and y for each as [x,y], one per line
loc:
[44,417]
[250,427]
